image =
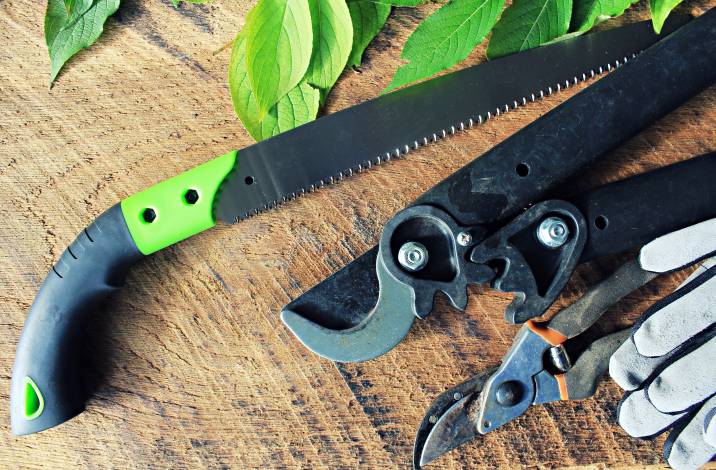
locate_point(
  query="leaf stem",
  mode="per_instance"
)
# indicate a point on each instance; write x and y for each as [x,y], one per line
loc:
[223,48]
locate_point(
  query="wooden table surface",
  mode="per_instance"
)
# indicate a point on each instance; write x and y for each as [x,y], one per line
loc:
[191,364]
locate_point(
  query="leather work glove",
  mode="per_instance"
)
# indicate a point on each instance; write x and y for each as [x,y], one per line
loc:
[668,365]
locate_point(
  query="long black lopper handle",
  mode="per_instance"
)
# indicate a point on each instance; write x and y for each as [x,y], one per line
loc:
[46,387]
[559,145]
[622,217]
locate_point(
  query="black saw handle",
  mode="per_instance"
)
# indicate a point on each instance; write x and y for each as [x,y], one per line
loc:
[46,387]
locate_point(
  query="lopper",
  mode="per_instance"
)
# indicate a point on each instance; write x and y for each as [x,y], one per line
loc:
[46,387]
[512,219]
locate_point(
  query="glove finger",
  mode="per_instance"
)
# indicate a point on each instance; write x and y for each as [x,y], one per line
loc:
[678,317]
[686,447]
[681,248]
[638,417]
[687,381]
[629,369]
[710,427]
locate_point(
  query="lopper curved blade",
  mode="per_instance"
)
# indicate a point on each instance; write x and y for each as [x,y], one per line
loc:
[448,423]
[379,332]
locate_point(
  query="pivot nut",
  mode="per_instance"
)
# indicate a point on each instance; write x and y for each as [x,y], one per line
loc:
[413,256]
[509,393]
[553,232]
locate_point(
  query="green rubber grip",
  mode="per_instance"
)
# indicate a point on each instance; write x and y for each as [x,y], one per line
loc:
[177,208]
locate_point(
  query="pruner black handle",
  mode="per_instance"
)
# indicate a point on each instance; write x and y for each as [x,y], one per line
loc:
[584,376]
[46,384]
[582,314]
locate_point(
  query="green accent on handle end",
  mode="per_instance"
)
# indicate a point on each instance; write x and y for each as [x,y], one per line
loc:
[177,208]
[34,403]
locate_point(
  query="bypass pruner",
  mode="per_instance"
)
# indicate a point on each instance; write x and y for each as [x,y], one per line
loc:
[546,362]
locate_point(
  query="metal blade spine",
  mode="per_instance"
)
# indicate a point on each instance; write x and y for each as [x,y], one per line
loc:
[441,134]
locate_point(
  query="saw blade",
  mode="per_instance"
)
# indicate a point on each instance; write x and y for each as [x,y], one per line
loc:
[331,148]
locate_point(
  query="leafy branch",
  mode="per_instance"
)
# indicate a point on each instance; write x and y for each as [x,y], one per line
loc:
[290,53]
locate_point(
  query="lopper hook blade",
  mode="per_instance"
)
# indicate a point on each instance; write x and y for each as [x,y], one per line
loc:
[379,331]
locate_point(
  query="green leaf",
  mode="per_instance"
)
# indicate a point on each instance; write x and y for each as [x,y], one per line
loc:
[445,38]
[72,25]
[278,48]
[660,10]
[587,13]
[527,24]
[332,39]
[298,106]
[368,18]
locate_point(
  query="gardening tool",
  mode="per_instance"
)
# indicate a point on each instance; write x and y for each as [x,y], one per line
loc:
[541,366]
[46,384]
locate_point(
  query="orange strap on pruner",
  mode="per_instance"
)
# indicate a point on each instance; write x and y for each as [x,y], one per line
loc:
[562,384]
[553,337]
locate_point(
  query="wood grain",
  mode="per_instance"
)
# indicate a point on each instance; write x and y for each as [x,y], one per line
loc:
[190,364]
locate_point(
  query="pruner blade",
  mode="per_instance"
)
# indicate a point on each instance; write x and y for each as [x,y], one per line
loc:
[448,423]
